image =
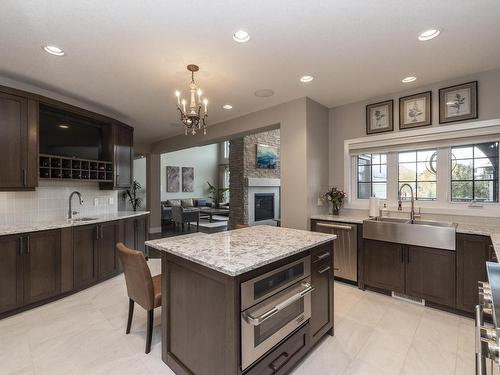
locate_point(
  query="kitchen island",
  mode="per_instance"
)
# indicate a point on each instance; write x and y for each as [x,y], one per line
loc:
[248,301]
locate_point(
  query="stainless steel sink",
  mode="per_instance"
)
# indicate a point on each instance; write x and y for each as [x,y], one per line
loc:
[85,219]
[436,234]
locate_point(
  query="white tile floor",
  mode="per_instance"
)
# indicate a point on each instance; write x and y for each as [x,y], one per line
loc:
[374,334]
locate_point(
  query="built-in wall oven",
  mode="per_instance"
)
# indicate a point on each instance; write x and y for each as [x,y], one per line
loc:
[273,305]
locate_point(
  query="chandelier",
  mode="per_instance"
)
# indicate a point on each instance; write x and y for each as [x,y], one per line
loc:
[192,118]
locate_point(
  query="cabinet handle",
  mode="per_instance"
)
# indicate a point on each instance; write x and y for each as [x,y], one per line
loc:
[334,226]
[25,178]
[280,361]
[21,245]
[100,234]
[323,256]
[28,245]
[97,232]
[323,270]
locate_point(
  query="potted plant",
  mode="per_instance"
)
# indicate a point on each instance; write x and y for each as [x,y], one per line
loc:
[216,194]
[336,198]
[131,194]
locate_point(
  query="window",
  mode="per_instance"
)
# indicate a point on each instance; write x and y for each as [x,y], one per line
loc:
[418,169]
[474,173]
[372,176]
[226,149]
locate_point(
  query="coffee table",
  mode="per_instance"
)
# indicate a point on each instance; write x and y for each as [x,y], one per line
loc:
[210,212]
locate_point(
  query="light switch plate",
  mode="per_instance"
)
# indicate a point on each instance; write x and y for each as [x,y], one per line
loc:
[96,202]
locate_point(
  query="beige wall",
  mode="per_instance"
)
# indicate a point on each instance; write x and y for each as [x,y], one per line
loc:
[348,121]
[317,155]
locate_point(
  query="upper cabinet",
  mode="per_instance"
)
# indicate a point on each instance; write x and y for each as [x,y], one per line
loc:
[42,138]
[124,156]
[18,142]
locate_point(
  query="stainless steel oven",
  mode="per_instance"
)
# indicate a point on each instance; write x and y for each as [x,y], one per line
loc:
[273,305]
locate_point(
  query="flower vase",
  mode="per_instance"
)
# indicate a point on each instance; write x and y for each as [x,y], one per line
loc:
[334,209]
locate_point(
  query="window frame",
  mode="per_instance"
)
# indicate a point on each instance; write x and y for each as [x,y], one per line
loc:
[496,181]
[371,181]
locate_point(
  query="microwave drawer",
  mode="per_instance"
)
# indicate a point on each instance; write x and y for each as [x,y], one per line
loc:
[281,359]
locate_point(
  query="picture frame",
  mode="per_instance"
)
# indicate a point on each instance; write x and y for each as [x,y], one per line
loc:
[458,103]
[173,179]
[266,157]
[380,117]
[187,179]
[415,110]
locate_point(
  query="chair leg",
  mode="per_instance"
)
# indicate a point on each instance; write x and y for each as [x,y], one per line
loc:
[150,331]
[130,314]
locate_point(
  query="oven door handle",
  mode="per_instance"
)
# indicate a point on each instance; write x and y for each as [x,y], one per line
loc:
[480,358]
[258,320]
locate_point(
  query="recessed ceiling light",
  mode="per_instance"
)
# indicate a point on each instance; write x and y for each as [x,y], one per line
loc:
[429,34]
[53,50]
[306,79]
[241,36]
[227,106]
[409,79]
[264,93]
[63,126]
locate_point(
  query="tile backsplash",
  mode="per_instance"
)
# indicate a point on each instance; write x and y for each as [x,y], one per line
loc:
[50,202]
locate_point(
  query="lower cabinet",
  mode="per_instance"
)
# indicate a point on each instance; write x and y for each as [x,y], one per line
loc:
[430,274]
[11,280]
[106,249]
[30,268]
[322,296]
[384,265]
[85,255]
[135,233]
[416,271]
[472,253]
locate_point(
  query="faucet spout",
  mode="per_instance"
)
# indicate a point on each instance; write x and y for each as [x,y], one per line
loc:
[400,201]
[70,209]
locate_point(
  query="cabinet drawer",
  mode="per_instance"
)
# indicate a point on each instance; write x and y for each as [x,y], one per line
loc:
[285,355]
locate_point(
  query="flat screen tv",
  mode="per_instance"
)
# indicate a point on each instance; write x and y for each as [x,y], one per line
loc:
[65,134]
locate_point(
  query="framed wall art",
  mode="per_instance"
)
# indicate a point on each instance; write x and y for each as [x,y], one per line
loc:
[415,110]
[458,103]
[379,117]
[187,179]
[267,157]
[173,179]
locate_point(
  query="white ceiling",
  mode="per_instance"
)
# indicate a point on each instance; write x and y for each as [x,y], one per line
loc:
[129,55]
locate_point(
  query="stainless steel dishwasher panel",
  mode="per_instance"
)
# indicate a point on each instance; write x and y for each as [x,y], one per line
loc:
[345,248]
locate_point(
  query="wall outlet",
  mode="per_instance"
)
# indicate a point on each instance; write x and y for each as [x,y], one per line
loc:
[111,200]
[96,202]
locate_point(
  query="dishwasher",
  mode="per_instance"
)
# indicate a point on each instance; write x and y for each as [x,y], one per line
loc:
[345,259]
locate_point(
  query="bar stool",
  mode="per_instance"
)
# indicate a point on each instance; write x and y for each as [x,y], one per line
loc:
[141,287]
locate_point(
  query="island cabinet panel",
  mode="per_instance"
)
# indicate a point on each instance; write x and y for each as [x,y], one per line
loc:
[472,253]
[322,296]
[106,249]
[384,265]
[140,233]
[199,319]
[11,281]
[18,142]
[430,274]
[85,255]
[42,266]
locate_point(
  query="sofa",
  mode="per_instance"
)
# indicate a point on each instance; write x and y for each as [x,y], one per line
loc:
[191,203]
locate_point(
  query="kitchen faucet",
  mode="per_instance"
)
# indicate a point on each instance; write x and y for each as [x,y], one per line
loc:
[400,202]
[70,210]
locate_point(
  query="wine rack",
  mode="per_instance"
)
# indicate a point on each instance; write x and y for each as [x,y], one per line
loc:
[53,167]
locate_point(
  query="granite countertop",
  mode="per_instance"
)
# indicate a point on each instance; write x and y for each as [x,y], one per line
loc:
[493,231]
[238,251]
[39,223]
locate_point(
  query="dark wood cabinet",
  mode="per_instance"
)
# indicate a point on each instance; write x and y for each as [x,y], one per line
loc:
[384,265]
[18,142]
[322,296]
[42,266]
[140,233]
[123,156]
[107,262]
[472,254]
[430,274]
[85,255]
[11,281]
